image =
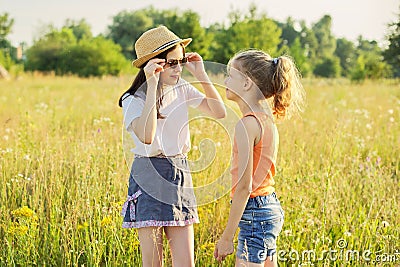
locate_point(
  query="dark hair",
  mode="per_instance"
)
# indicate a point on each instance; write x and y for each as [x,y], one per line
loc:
[277,78]
[140,82]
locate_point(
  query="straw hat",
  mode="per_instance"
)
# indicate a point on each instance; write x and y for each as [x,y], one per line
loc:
[154,42]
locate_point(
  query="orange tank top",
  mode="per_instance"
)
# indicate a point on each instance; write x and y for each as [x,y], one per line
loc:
[264,157]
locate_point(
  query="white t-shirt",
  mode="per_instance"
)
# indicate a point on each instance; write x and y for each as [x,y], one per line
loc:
[172,133]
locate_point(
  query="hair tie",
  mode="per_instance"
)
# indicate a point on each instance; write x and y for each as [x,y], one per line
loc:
[275,60]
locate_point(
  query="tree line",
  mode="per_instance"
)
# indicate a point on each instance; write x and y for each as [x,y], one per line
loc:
[73,49]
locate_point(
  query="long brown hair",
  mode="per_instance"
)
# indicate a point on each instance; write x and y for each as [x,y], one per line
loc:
[140,82]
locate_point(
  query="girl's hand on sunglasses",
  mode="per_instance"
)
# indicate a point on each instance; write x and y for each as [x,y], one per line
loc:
[194,63]
[153,68]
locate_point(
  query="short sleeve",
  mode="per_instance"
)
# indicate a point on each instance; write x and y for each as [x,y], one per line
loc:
[193,96]
[132,108]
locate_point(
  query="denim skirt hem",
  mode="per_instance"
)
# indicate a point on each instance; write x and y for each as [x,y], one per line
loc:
[160,193]
[143,224]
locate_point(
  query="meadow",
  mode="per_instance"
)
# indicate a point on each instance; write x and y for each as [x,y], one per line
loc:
[64,173]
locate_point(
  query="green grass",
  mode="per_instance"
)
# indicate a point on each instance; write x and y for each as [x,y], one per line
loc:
[62,156]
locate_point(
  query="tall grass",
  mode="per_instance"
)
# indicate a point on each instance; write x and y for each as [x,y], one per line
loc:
[64,174]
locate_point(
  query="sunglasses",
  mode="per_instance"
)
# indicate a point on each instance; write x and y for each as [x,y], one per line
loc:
[174,62]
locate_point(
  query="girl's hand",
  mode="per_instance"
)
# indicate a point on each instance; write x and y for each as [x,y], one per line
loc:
[223,248]
[195,64]
[153,68]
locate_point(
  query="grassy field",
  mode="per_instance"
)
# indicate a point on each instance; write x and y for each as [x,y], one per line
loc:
[64,174]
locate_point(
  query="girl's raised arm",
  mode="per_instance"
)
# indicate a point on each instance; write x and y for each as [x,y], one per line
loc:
[145,126]
[212,104]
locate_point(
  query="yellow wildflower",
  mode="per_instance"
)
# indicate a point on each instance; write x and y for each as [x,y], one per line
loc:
[208,246]
[23,212]
[117,205]
[22,229]
[83,226]
[25,215]
[17,229]
[106,221]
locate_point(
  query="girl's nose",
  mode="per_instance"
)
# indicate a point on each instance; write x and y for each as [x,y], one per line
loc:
[179,67]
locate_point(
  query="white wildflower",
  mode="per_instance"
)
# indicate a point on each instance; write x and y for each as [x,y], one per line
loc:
[287,232]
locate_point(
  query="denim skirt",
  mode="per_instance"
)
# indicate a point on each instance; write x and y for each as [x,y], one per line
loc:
[160,193]
[260,225]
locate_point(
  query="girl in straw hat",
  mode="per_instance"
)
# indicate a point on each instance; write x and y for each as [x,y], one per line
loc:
[253,77]
[160,194]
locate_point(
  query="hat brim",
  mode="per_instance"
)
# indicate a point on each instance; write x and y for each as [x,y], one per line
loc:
[139,62]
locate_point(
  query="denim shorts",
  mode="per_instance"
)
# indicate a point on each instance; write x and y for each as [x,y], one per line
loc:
[160,194]
[260,225]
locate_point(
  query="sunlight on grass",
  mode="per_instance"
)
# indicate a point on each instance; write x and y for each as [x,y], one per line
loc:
[64,176]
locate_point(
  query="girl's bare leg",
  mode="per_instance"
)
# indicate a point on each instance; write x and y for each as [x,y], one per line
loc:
[151,246]
[181,242]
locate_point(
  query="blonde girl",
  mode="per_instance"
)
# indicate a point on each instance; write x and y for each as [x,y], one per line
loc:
[265,89]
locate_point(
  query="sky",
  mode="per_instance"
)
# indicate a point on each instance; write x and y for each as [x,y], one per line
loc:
[350,18]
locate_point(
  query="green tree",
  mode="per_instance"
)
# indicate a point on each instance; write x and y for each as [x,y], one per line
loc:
[370,63]
[59,51]
[81,29]
[392,53]
[47,54]
[326,41]
[5,60]
[347,53]
[358,72]
[252,31]
[325,49]
[6,24]
[318,43]
[289,33]
[215,33]
[127,27]
[329,67]
[375,65]
[297,53]
[309,43]
[94,57]
[7,51]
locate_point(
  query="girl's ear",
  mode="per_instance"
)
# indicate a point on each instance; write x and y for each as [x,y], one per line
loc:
[248,83]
